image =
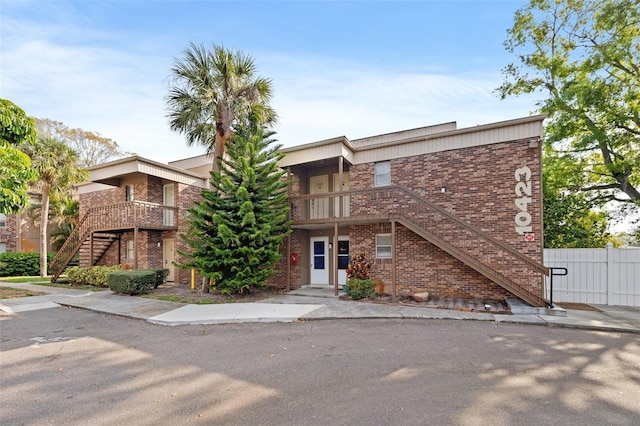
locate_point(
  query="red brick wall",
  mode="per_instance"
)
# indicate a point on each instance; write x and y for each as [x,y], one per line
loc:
[150,189]
[9,233]
[186,197]
[279,279]
[479,187]
[421,266]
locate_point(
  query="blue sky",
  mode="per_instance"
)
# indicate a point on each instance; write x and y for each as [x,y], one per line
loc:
[356,68]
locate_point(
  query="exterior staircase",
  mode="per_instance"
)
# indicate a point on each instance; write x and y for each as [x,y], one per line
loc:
[512,270]
[101,243]
[99,228]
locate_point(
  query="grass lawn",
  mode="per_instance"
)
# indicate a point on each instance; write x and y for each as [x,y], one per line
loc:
[34,280]
[182,299]
[12,293]
[46,281]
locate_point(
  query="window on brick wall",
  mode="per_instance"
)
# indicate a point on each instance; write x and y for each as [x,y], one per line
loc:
[382,170]
[129,192]
[383,246]
[3,220]
[129,250]
[3,247]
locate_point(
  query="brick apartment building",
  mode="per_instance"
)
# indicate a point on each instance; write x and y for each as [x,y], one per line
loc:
[455,212]
[19,233]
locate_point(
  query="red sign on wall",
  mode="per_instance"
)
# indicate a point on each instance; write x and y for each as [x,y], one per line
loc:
[529,237]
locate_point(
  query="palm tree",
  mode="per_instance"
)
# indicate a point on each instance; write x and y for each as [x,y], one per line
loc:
[64,213]
[56,166]
[215,90]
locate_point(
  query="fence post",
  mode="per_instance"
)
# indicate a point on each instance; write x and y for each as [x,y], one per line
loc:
[611,280]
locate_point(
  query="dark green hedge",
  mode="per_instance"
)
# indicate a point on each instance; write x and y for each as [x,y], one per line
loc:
[132,282]
[161,275]
[21,264]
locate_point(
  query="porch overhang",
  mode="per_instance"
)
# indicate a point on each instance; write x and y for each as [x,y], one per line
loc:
[317,152]
[113,172]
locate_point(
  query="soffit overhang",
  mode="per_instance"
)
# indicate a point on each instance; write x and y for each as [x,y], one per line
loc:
[114,172]
[317,152]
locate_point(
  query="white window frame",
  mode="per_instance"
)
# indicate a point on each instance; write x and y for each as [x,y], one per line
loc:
[3,247]
[3,220]
[382,173]
[128,252]
[384,249]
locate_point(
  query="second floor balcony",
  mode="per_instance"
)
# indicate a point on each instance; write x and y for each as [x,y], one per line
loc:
[132,214]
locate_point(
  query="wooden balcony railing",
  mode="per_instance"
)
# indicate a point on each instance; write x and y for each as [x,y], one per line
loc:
[113,217]
[478,249]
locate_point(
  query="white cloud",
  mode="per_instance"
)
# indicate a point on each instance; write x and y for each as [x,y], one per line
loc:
[319,102]
[71,74]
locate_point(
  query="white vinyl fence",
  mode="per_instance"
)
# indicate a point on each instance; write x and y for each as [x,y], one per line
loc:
[605,276]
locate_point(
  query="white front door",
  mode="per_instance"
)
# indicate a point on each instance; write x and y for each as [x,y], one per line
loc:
[343,259]
[168,199]
[319,208]
[319,260]
[168,257]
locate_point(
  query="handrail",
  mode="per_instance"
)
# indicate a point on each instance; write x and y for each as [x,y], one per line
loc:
[474,229]
[562,273]
[440,225]
[129,214]
[536,265]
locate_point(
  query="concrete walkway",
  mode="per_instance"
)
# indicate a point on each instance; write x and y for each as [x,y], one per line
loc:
[304,304]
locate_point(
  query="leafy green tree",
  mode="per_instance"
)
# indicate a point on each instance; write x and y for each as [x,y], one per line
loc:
[64,214]
[214,92]
[56,165]
[92,148]
[236,231]
[582,55]
[570,218]
[15,167]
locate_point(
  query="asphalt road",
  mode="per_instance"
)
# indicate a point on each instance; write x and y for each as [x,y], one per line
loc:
[65,366]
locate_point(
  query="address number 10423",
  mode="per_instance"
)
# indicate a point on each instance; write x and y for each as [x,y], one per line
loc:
[523,194]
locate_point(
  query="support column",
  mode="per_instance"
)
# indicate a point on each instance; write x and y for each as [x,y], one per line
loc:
[393,261]
[335,259]
[289,214]
[135,248]
[288,286]
[340,184]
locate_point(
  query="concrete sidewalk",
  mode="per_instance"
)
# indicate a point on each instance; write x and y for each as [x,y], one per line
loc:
[303,304]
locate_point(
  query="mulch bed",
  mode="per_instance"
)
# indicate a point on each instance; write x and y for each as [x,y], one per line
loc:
[577,306]
[213,296]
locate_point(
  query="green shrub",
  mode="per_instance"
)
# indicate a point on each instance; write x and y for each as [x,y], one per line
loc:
[92,275]
[359,267]
[20,264]
[161,275]
[132,282]
[361,289]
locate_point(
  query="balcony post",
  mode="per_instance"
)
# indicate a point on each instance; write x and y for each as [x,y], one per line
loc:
[334,255]
[340,184]
[288,260]
[393,260]
[135,247]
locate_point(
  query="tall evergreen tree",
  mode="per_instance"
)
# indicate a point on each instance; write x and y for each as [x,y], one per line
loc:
[236,231]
